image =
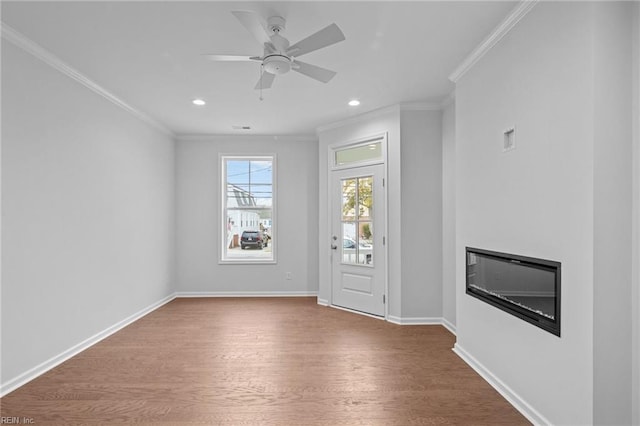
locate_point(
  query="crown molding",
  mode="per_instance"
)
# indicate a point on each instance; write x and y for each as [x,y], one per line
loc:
[206,137]
[420,106]
[448,100]
[359,118]
[29,46]
[397,108]
[494,37]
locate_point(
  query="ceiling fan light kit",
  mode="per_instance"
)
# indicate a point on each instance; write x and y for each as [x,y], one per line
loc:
[277,64]
[278,56]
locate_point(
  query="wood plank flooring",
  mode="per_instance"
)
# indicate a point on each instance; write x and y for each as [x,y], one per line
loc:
[263,361]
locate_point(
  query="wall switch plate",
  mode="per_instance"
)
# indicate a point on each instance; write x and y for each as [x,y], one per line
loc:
[288,275]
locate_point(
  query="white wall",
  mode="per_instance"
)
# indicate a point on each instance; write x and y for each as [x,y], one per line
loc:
[198,221]
[87,213]
[636,214]
[612,88]
[563,77]
[421,139]
[449,214]
[536,201]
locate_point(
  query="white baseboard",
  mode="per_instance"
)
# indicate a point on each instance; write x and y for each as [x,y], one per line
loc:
[246,293]
[449,326]
[353,311]
[414,320]
[422,321]
[323,302]
[47,365]
[514,399]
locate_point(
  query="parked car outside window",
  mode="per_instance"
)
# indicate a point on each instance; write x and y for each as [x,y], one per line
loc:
[252,239]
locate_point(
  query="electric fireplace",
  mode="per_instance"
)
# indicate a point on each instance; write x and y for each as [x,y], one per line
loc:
[526,287]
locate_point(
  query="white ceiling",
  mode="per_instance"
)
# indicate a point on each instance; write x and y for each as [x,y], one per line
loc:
[148,54]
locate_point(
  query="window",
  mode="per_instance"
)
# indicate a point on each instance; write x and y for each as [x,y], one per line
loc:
[369,152]
[248,209]
[357,220]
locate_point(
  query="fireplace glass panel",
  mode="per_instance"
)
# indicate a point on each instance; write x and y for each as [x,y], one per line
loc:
[526,287]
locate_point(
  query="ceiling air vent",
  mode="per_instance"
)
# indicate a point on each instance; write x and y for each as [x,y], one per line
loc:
[241,127]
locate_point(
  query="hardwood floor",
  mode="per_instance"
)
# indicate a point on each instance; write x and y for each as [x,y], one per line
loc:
[267,361]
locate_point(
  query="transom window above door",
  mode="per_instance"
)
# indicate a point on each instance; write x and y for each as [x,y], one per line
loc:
[362,153]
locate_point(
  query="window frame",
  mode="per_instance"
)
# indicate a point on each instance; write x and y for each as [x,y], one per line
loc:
[222,243]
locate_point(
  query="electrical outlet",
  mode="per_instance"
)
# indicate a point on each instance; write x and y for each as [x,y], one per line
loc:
[288,275]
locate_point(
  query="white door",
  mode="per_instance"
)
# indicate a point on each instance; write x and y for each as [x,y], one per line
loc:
[357,240]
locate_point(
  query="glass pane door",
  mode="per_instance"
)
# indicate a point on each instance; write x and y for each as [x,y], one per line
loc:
[357,220]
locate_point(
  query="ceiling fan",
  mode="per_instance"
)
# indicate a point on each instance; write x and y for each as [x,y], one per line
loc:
[279,57]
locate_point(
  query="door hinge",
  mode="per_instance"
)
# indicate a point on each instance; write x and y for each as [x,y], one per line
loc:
[383,182]
[384,241]
[384,299]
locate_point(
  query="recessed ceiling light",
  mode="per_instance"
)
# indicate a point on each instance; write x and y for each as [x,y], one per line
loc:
[199,102]
[354,102]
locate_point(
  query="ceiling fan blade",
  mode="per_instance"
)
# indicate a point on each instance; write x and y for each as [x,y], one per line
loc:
[323,38]
[254,24]
[313,71]
[232,58]
[266,80]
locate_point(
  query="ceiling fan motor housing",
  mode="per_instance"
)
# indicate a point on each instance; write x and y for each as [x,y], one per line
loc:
[277,64]
[276,24]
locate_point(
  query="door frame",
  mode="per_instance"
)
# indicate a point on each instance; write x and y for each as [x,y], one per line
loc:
[331,167]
